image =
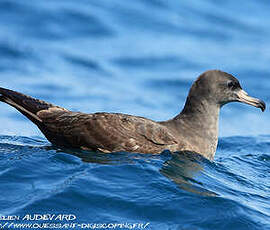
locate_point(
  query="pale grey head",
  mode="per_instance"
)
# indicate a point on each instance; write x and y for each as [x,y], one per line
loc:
[215,87]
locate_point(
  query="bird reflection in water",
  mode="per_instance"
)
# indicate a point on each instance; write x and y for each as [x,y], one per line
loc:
[182,168]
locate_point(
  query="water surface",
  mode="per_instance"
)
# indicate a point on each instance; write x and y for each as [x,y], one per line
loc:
[138,57]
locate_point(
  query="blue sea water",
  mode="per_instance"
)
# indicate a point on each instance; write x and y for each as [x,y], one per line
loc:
[138,57]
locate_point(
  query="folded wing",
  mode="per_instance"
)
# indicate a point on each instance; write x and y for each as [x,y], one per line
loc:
[106,132]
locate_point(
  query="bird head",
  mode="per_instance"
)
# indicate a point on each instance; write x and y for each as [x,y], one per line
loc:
[221,88]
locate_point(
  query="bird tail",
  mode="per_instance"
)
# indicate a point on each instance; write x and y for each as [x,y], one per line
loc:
[27,105]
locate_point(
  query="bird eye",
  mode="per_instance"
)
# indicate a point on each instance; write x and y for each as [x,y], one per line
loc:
[230,84]
[233,85]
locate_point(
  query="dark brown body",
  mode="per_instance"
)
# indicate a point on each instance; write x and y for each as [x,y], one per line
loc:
[99,131]
[106,132]
[194,129]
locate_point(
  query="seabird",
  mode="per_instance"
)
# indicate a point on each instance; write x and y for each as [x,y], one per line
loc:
[195,129]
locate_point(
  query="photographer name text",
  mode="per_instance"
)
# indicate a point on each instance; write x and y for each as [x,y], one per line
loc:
[41,217]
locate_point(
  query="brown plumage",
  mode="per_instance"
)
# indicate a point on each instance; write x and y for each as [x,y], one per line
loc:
[194,129]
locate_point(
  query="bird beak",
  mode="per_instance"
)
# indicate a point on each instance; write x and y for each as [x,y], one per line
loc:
[245,98]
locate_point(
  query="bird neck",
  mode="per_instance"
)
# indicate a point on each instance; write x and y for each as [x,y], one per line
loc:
[203,118]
